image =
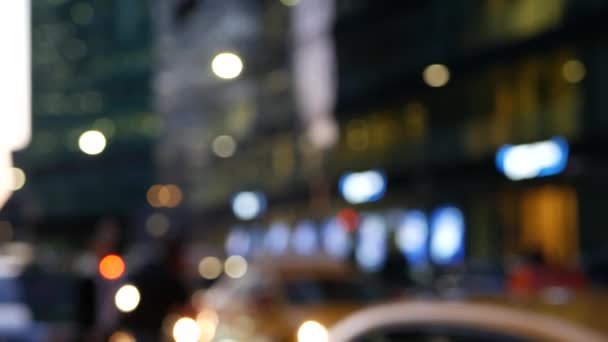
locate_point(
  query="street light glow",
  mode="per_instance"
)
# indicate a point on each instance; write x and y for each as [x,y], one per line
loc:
[92,142]
[227,65]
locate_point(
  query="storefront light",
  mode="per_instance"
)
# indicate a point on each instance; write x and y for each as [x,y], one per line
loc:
[545,158]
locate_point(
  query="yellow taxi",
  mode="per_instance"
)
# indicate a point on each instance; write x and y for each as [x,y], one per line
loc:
[275,299]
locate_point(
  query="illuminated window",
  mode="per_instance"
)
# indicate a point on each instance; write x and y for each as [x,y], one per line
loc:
[549,223]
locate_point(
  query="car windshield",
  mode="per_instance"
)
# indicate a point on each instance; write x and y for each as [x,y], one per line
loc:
[313,291]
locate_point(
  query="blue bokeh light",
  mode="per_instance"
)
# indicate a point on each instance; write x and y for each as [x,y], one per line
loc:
[238,242]
[305,240]
[363,187]
[371,250]
[336,240]
[540,159]
[276,241]
[412,236]
[447,236]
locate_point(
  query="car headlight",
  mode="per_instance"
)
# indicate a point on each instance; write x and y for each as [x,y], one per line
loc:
[312,331]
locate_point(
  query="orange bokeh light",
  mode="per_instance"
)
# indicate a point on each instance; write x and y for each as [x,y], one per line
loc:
[153,195]
[175,196]
[169,196]
[111,267]
[164,196]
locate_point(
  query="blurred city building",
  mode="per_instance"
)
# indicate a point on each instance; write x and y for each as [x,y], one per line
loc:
[92,66]
[448,134]
[160,112]
[440,87]
[427,91]
[224,133]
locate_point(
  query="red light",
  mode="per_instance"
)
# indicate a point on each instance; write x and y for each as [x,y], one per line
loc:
[349,218]
[111,267]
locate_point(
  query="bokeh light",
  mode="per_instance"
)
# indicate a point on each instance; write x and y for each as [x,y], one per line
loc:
[447,236]
[152,195]
[127,298]
[336,239]
[349,218]
[92,142]
[574,71]
[227,65]
[169,196]
[362,187]
[17,177]
[305,240]
[371,250]
[412,235]
[186,330]
[248,205]
[210,267]
[436,75]
[312,331]
[276,240]
[207,321]
[238,242]
[544,158]
[157,225]
[236,266]
[164,196]
[111,267]
[224,146]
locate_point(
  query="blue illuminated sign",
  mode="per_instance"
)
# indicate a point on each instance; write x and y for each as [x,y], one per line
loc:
[371,251]
[336,241]
[447,236]
[305,239]
[238,242]
[363,187]
[276,241]
[412,236]
[545,158]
